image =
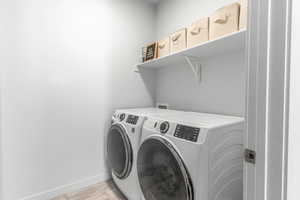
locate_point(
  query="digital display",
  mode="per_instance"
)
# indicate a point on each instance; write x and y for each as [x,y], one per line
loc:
[132,119]
[187,133]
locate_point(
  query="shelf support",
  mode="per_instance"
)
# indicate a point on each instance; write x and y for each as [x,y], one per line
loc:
[137,70]
[195,66]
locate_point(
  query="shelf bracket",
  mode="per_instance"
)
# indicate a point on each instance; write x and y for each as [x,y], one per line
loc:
[195,66]
[137,70]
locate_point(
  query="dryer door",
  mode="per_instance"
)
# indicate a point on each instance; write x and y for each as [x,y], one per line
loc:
[162,173]
[119,151]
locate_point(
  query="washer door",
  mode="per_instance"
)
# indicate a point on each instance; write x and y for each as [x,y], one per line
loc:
[162,173]
[119,151]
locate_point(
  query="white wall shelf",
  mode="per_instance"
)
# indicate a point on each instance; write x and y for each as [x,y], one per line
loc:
[230,43]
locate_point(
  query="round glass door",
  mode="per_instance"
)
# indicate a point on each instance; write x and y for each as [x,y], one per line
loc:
[162,173]
[119,151]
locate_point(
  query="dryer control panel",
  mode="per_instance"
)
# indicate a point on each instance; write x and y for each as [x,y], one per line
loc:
[132,119]
[187,132]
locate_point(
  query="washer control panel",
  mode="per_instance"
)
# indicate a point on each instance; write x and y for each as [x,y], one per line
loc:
[187,132]
[132,119]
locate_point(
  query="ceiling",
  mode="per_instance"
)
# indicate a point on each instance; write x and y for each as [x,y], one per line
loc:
[153,1]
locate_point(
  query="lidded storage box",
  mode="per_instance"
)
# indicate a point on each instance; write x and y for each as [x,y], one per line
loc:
[198,32]
[224,21]
[163,47]
[243,14]
[151,52]
[178,40]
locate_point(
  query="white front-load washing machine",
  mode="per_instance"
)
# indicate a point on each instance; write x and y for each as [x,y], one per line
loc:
[123,140]
[193,156]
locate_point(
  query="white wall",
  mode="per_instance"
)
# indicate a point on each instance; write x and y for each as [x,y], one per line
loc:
[6,29]
[294,126]
[222,89]
[68,64]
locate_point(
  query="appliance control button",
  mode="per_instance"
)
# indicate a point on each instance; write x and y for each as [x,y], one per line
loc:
[164,127]
[122,117]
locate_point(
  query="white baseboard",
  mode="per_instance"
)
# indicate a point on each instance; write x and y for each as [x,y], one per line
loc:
[46,195]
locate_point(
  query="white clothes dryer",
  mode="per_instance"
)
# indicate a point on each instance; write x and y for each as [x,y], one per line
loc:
[192,156]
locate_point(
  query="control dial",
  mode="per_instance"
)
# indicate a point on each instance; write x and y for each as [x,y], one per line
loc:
[164,127]
[122,117]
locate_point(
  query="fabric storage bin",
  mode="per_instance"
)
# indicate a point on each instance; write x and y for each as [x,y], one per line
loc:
[224,21]
[243,14]
[197,33]
[151,52]
[178,40]
[163,47]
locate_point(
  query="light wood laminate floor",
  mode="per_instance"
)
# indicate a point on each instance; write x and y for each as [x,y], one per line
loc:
[101,191]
